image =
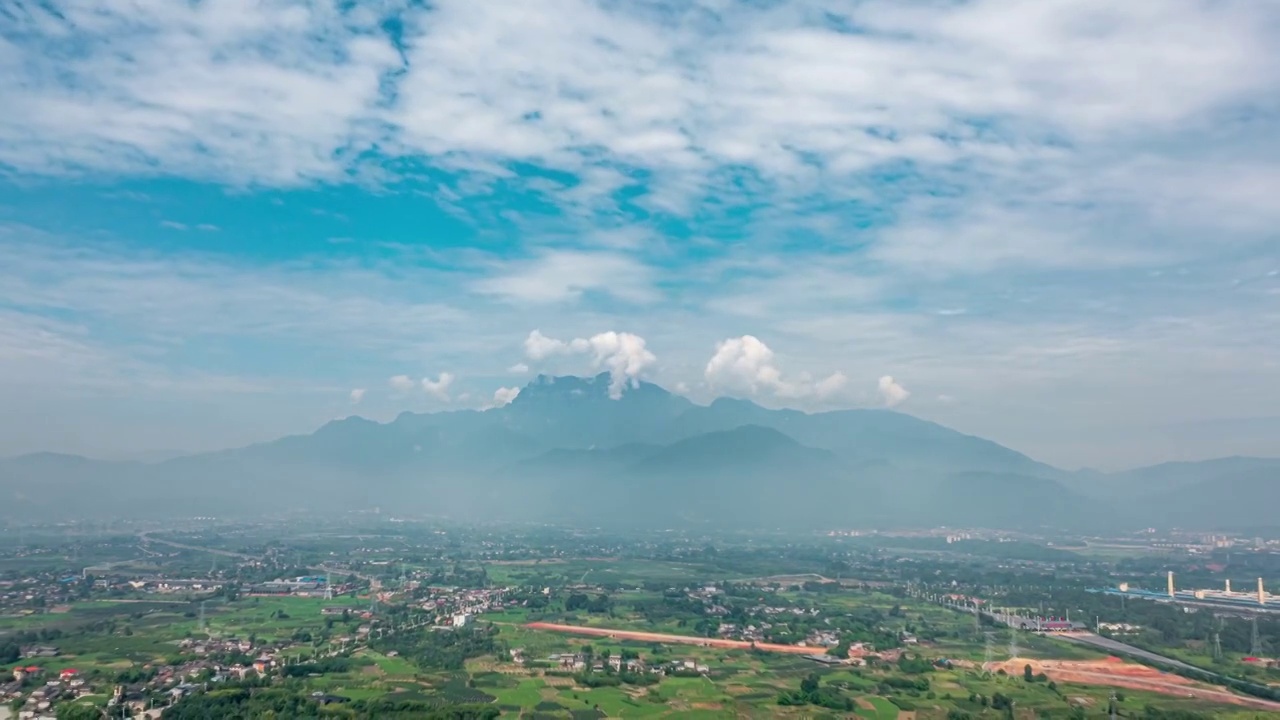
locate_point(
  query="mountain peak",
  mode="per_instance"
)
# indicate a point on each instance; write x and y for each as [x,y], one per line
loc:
[571,388]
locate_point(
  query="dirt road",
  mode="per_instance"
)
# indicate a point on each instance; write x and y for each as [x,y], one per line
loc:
[666,639]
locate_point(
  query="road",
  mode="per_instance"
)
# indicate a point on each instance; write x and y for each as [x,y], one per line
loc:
[1119,648]
[146,537]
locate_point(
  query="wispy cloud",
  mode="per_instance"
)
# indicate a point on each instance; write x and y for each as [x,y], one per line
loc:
[1018,202]
[785,90]
[559,276]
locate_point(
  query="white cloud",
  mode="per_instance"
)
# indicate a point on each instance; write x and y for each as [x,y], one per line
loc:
[401,383]
[746,364]
[438,388]
[891,392]
[519,368]
[1089,159]
[172,225]
[357,395]
[561,276]
[540,347]
[624,355]
[504,396]
[290,92]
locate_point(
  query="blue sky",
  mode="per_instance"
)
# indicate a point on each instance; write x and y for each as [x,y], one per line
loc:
[1052,223]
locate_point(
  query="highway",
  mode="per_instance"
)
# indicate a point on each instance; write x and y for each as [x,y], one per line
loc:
[1119,648]
[146,538]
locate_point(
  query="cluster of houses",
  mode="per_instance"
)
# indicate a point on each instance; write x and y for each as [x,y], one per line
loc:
[455,607]
[37,593]
[41,689]
[579,662]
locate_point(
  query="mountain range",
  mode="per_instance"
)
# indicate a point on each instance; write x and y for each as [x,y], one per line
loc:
[565,451]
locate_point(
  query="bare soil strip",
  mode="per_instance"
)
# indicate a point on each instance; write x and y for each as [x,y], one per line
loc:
[673,639]
[1117,673]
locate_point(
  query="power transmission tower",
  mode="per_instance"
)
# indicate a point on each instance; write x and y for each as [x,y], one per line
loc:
[1217,640]
[1255,642]
[989,653]
[1013,643]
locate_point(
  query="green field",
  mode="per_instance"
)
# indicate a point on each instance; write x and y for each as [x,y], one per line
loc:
[104,637]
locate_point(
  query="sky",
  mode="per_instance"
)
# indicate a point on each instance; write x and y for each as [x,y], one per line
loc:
[1053,224]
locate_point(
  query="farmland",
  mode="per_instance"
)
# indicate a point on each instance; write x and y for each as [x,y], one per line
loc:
[516,625]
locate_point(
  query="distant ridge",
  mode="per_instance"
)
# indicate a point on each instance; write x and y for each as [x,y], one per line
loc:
[564,450]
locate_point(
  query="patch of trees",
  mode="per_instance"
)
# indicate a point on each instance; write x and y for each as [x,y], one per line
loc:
[914,665]
[320,667]
[812,692]
[581,601]
[918,684]
[78,711]
[447,650]
[248,702]
[1151,712]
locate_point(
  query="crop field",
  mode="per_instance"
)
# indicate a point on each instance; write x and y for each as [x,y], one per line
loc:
[600,571]
[931,660]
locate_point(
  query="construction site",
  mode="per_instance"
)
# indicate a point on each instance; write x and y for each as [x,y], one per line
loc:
[1256,600]
[1117,673]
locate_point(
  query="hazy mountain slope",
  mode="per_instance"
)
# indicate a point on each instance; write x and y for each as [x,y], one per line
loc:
[1237,492]
[903,440]
[753,475]
[1006,500]
[748,475]
[564,449]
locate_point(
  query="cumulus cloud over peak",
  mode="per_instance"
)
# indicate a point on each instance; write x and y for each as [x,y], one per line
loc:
[892,392]
[357,395]
[438,388]
[745,364]
[624,355]
[401,383]
[504,396]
